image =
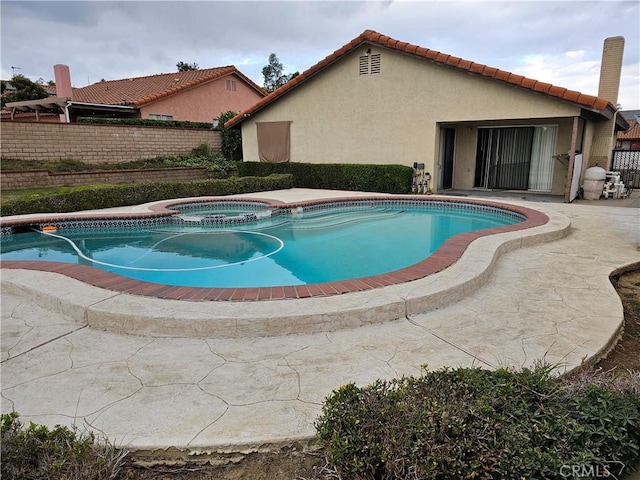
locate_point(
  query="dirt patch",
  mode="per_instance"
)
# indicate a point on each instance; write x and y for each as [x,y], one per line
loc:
[626,354]
[285,465]
[294,465]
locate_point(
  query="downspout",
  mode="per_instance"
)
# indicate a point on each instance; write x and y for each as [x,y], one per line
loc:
[66,112]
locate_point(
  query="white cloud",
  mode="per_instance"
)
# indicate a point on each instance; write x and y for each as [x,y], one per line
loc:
[554,41]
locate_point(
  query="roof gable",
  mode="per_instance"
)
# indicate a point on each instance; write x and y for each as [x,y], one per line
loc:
[596,104]
[139,91]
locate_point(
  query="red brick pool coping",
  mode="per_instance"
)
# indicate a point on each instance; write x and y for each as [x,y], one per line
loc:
[446,255]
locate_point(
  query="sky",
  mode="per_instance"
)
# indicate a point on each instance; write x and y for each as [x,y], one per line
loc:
[559,42]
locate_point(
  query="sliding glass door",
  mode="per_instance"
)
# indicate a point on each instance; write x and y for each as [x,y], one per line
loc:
[544,147]
[515,158]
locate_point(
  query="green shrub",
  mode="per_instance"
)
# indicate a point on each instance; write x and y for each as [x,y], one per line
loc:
[35,452]
[473,423]
[337,176]
[72,199]
[231,139]
[144,122]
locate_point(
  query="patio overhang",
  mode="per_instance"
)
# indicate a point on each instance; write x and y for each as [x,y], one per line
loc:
[42,105]
[62,106]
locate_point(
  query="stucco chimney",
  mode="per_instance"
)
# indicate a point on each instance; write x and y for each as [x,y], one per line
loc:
[63,81]
[611,68]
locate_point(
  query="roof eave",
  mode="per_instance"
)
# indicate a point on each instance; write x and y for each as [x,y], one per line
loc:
[587,102]
[294,82]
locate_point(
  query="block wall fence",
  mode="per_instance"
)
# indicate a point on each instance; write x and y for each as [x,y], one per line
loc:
[98,143]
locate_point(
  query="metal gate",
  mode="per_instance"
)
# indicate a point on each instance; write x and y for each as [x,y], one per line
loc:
[627,162]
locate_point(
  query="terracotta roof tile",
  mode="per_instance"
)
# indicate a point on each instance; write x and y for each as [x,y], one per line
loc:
[600,103]
[465,64]
[409,48]
[453,61]
[476,67]
[489,71]
[370,37]
[139,91]
[432,54]
[632,133]
[586,99]
[502,75]
[515,79]
[571,95]
[542,87]
[557,91]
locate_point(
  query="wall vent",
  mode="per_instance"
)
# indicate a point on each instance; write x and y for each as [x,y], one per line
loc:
[375,63]
[369,64]
[364,64]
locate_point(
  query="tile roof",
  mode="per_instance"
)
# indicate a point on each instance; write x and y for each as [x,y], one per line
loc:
[599,105]
[139,91]
[633,133]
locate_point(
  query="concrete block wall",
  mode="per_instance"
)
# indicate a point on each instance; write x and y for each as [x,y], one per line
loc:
[98,143]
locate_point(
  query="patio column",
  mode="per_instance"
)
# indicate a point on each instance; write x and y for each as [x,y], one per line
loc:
[572,160]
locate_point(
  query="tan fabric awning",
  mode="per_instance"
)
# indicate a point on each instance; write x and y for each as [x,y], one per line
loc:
[274,141]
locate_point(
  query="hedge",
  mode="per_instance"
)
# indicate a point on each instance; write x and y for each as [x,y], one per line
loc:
[93,197]
[473,423]
[337,176]
[144,122]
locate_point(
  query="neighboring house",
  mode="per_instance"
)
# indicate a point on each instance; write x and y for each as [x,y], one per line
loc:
[626,156]
[382,101]
[629,139]
[194,95]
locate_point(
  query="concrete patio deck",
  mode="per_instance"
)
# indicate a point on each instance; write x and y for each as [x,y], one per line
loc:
[198,395]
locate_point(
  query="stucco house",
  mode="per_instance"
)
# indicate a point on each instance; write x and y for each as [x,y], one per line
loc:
[626,156]
[383,101]
[630,138]
[193,95]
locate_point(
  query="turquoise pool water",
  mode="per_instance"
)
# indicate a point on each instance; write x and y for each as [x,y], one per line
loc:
[312,247]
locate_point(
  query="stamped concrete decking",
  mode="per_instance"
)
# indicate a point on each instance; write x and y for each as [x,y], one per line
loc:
[155,388]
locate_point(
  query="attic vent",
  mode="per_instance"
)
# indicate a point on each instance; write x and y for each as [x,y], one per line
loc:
[364,64]
[369,64]
[375,63]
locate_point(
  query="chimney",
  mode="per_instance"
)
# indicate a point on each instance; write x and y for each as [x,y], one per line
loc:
[610,69]
[63,81]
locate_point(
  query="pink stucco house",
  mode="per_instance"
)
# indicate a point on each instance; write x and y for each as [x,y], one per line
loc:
[194,95]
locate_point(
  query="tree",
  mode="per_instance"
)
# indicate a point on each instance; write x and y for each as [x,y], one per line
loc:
[274,76]
[183,66]
[21,89]
[231,140]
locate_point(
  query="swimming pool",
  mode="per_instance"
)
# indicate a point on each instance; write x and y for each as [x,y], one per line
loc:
[250,245]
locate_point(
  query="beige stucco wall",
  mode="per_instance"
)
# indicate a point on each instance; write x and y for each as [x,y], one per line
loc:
[205,102]
[394,116]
